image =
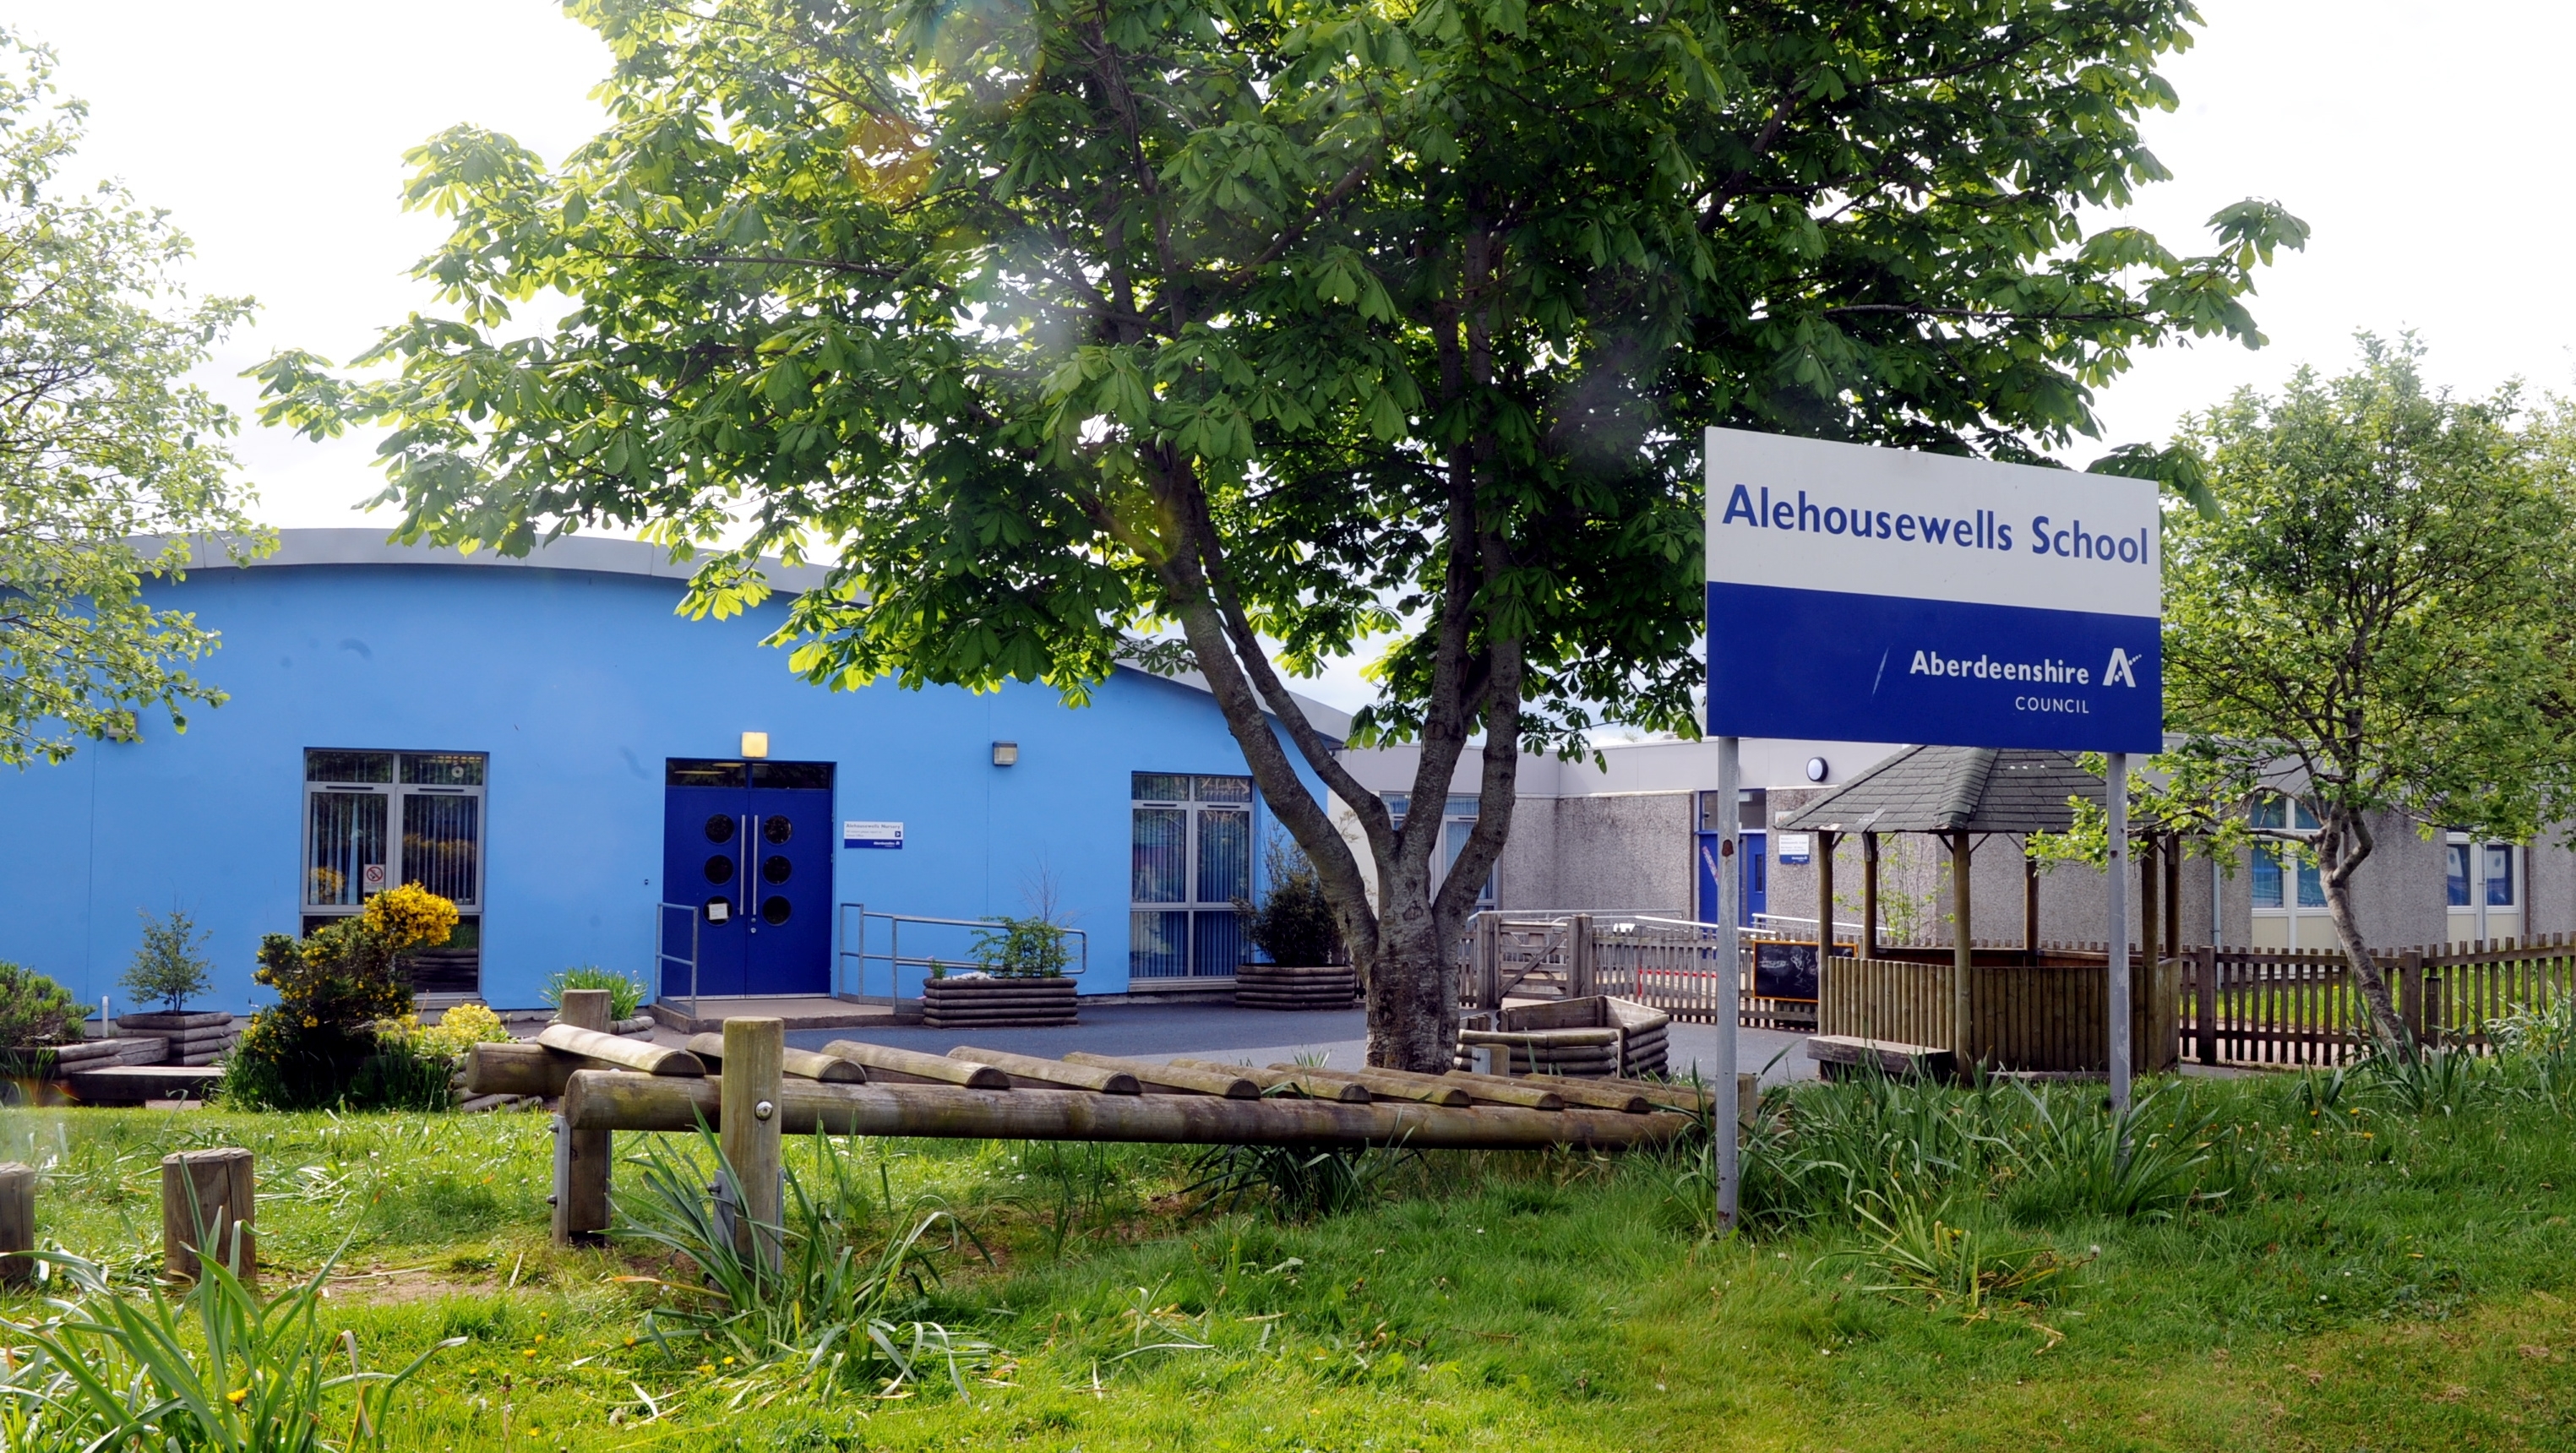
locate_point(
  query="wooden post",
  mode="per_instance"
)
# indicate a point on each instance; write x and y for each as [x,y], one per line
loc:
[1824,896]
[582,1157]
[1962,952]
[749,1119]
[2208,1015]
[17,1221]
[2173,893]
[2411,1004]
[1578,957]
[2150,911]
[208,1201]
[2029,904]
[1869,895]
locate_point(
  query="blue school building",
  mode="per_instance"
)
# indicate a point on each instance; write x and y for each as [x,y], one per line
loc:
[595,779]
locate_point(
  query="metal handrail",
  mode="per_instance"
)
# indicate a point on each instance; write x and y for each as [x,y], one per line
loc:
[894,958]
[662,953]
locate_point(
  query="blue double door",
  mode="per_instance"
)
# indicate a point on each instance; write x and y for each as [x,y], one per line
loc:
[747,852]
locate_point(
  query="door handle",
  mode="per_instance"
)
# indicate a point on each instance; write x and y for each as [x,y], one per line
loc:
[748,855]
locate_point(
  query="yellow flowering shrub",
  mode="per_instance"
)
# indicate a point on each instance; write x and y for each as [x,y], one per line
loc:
[456,1031]
[410,917]
[343,999]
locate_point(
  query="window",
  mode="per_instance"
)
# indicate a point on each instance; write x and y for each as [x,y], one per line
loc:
[2281,814]
[2460,861]
[1190,859]
[373,820]
[1457,820]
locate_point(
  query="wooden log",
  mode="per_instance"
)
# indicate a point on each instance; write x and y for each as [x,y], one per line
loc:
[1045,1074]
[1384,1086]
[583,1158]
[1551,1038]
[17,1222]
[803,1064]
[749,1122]
[916,1067]
[1591,1094]
[1162,1079]
[1347,1091]
[647,1102]
[209,1203]
[1495,1089]
[616,1049]
[520,1067]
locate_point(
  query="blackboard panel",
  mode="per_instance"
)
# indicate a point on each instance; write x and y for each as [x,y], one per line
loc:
[1784,971]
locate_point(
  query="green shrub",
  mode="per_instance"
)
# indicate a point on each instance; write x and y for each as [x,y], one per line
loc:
[169,967]
[341,994]
[625,995]
[1033,947]
[1294,923]
[35,1010]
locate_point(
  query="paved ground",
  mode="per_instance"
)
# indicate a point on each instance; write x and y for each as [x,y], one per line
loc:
[1262,1036]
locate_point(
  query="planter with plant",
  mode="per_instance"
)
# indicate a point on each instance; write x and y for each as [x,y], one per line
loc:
[170,968]
[625,996]
[1294,929]
[1023,980]
[37,1017]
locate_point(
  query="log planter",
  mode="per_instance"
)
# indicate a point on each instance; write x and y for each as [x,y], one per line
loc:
[979,1002]
[196,1037]
[1595,1037]
[1283,986]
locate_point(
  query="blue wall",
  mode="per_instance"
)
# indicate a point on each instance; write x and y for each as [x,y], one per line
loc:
[579,685]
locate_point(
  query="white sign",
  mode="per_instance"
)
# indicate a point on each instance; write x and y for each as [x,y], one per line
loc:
[1866,594]
[1796,847]
[371,878]
[872,835]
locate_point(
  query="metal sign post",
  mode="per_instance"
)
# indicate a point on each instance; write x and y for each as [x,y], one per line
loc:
[2116,781]
[1730,977]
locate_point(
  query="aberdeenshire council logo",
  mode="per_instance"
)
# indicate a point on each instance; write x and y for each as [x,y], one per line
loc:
[2121,670]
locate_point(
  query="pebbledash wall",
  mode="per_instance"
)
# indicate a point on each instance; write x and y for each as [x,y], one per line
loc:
[575,680]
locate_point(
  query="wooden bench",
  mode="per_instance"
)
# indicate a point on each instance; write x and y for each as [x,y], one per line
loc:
[1839,1055]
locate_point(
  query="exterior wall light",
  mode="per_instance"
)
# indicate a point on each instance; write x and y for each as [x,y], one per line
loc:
[1817,770]
[755,744]
[1006,754]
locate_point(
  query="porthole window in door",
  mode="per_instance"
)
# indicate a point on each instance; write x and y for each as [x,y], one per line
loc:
[720,868]
[720,828]
[778,829]
[774,909]
[775,868]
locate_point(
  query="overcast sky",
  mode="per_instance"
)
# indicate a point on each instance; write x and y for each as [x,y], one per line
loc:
[2426,144]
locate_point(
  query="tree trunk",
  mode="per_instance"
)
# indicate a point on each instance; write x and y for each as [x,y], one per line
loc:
[1412,989]
[2342,846]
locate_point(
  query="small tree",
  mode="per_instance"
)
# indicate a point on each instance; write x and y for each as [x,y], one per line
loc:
[2373,620]
[169,965]
[1293,923]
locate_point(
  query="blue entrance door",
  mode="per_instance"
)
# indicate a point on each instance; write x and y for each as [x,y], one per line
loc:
[749,845]
[1755,885]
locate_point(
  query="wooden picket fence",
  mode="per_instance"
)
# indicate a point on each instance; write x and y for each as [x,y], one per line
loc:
[2276,1007]
[2046,1016]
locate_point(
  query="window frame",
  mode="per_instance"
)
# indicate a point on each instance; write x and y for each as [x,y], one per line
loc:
[1193,906]
[396,794]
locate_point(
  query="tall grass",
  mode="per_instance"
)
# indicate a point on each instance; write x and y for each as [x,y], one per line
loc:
[218,1370]
[815,1306]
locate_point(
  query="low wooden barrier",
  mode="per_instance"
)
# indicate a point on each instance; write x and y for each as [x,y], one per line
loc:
[752,1100]
[2021,1016]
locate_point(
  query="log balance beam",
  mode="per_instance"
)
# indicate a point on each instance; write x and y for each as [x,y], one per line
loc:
[752,1090]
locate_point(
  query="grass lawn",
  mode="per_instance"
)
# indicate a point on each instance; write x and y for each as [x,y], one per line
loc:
[2380,1272]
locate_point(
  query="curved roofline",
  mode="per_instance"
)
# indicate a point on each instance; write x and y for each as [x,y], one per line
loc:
[595,554]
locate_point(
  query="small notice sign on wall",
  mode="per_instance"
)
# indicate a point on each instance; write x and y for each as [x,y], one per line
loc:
[1796,847]
[872,835]
[371,878]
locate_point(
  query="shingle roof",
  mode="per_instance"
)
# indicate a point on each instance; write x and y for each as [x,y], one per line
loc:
[1953,789]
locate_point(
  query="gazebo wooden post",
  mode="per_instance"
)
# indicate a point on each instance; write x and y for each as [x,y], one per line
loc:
[2029,904]
[2173,894]
[1824,894]
[1869,895]
[1962,954]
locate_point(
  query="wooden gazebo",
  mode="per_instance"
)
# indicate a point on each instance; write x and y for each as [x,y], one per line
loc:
[2036,1007]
